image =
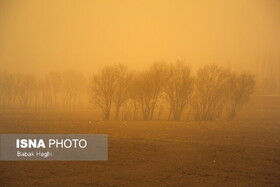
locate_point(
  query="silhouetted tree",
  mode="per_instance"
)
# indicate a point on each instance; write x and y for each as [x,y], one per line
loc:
[147,86]
[240,89]
[102,90]
[123,78]
[210,92]
[178,89]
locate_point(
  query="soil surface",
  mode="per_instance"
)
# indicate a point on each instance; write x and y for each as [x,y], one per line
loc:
[154,153]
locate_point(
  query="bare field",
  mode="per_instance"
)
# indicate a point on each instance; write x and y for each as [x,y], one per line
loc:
[154,153]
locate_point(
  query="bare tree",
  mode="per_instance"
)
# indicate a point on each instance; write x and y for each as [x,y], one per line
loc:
[210,92]
[7,81]
[46,92]
[73,85]
[26,85]
[147,86]
[123,79]
[240,89]
[102,90]
[179,88]
[54,82]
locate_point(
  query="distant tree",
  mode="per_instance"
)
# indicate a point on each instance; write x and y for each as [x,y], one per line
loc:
[26,86]
[7,81]
[46,92]
[102,90]
[210,92]
[240,88]
[147,86]
[54,82]
[73,85]
[179,88]
[123,78]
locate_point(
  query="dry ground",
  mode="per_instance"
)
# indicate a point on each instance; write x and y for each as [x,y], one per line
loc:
[157,153]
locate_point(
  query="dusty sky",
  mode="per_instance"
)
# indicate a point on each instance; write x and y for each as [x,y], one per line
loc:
[47,35]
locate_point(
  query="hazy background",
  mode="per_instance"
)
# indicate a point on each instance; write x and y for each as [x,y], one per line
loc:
[42,36]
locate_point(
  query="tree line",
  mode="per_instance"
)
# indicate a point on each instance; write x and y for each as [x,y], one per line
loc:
[213,92]
[162,91]
[54,90]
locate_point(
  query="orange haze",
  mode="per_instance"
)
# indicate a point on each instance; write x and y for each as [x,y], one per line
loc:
[48,35]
